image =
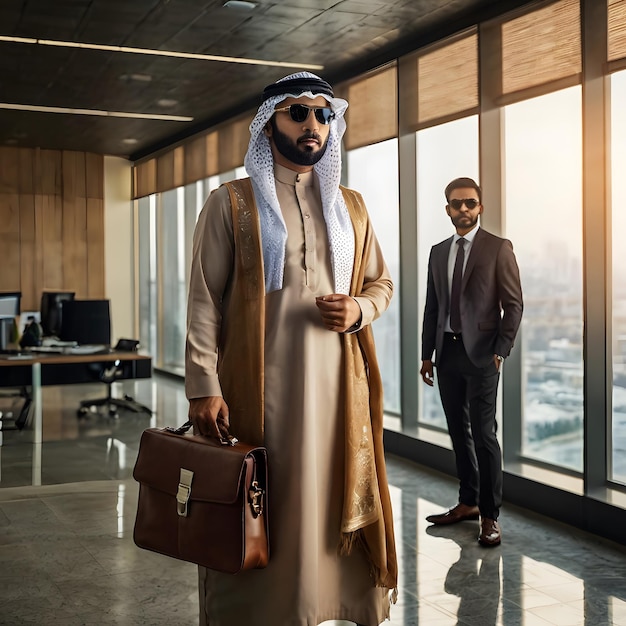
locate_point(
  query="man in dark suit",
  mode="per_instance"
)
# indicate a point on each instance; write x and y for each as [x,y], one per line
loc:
[472,313]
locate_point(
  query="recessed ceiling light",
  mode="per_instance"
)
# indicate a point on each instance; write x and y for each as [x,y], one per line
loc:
[129,141]
[167,102]
[140,78]
[239,4]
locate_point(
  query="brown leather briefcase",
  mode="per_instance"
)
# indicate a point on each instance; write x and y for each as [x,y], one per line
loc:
[202,500]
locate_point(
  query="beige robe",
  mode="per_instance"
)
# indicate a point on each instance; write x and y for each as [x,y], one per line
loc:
[306,581]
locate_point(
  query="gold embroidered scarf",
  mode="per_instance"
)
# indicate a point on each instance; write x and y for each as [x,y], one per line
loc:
[367,515]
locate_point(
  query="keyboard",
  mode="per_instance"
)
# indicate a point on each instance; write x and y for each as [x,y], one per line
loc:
[76,350]
[19,357]
[54,342]
[48,349]
[87,349]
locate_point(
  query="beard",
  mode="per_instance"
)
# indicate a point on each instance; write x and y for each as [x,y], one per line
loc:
[467,221]
[294,152]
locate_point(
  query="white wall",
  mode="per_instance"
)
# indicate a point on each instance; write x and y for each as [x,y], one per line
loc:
[118,246]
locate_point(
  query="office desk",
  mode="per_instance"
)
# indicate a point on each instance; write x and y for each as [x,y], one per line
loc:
[70,369]
[63,369]
[66,369]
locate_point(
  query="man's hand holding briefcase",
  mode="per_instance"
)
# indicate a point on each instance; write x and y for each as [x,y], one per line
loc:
[202,500]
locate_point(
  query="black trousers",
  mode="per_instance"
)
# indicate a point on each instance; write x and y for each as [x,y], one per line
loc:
[468,395]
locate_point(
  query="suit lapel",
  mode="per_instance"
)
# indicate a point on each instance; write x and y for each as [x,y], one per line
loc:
[442,268]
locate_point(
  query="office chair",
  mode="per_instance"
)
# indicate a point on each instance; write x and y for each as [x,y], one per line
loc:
[16,417]
[108,373]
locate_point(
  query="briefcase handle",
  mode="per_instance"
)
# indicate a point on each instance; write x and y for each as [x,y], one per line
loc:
[228,440]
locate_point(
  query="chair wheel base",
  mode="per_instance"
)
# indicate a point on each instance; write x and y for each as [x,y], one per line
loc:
[111,407]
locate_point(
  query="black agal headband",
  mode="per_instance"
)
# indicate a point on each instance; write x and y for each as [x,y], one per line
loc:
[297,86]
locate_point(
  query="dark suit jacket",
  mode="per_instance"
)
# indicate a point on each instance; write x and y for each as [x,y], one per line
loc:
[491,299]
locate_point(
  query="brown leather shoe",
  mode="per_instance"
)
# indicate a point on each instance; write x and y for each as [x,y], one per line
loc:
[457,514]
[490,534]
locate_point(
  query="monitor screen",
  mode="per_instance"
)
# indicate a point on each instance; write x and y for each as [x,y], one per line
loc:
[51,311]
[10,303]
[87,322]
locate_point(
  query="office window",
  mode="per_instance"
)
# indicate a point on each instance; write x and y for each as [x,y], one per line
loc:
[224,177]
[208,185]
[543,186]
[617,350]
[173,301]
[165,242]
[373,171]
[444,152]
[147,276]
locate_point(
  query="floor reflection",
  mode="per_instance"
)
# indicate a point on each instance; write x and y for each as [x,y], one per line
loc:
[71,538]
[475,578]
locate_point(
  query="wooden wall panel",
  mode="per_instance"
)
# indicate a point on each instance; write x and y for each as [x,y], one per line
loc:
[51,223]
[8,170]
[26,160]
[95,248]
[50,209]
[48,168]
[74,234]
[9,241]
[30,272]
[73,168]
[94,175]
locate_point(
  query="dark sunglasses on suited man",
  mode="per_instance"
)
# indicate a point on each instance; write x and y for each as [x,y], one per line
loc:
[470,203]
[299,113]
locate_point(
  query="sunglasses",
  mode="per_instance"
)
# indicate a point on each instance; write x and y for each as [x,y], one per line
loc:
[299,113]
[470,203]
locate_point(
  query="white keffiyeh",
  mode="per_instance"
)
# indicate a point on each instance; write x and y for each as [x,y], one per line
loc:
[259,165]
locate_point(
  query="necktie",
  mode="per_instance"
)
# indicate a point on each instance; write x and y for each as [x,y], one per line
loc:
[455,293]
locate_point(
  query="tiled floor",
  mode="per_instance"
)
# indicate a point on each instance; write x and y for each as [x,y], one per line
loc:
[67,557]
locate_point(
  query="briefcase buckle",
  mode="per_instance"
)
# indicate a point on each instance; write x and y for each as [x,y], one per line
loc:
[255,496]
[184,491]
[228,440]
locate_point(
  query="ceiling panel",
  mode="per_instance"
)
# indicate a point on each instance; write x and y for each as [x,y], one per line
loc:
[342,35]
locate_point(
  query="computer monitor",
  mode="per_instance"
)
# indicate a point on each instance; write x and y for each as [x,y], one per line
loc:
[87,322]
[10,303]
[52,311]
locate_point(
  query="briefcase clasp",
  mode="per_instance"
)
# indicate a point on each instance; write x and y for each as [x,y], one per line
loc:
[184,491]
[255,495]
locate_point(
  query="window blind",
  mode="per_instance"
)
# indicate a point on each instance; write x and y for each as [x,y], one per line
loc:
[447,81]
[232,143]
[372,112]
[199,157]
[169,169]
[617,29]
[541,47]
[144,178]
